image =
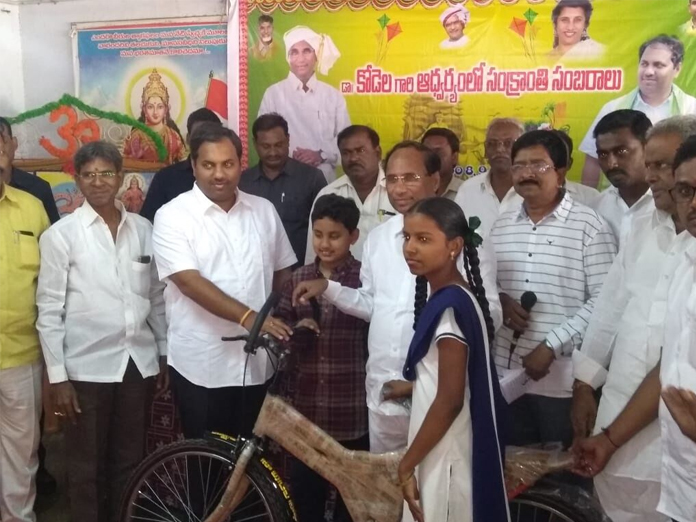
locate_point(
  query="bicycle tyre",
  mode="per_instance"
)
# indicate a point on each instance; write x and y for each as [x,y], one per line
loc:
[527,507]
[264,479]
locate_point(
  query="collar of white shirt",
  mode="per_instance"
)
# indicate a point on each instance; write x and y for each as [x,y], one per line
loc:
[561,212]
[88,216]
[642,106]
[203,203]
[297,84]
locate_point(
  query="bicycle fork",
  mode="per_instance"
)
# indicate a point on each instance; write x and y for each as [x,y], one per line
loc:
[237,486]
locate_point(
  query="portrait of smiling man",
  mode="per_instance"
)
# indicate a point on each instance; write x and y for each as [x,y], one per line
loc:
[454,20]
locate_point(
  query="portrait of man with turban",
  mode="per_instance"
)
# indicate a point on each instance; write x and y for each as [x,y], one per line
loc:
[315,111]
[454,20]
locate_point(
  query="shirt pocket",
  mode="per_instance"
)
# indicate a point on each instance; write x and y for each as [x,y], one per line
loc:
[29,256]
[140,278]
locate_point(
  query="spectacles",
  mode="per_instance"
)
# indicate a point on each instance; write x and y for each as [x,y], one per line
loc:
[683,193]
[407,179]
[534,168]
[96,174]
[494,144]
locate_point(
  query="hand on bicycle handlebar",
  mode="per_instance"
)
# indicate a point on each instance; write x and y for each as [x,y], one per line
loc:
[306,290]
[272,326]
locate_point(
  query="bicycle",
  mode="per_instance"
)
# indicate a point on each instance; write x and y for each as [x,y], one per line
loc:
[224,478]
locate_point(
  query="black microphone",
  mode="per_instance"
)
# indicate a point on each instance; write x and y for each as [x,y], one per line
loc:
[528,300]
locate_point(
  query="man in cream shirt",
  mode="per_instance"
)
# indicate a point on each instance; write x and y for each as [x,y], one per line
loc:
[315,111]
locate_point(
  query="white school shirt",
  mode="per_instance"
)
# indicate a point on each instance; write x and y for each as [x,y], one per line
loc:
[563,259]
[619,215]
[100,301]
[374,211]
[477,198]
[678,495]
[386,300]
[314,117]
[615,352]
[238,251]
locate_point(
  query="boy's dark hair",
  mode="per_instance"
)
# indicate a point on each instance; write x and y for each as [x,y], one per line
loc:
[686,152]
[672,43]
[98,150]
[431,160]
[199,116]
[635,121]
[212,133]
[354,130]
[5,126]
[269,121]
[338,209]
[554,145]
[450,136]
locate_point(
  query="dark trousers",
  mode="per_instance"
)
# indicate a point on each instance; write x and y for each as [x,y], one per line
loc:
[106,444]
[534,419]
[231,410]
[310,491]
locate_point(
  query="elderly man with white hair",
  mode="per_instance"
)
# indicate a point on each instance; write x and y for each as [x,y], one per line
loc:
[315,111]
[454,20]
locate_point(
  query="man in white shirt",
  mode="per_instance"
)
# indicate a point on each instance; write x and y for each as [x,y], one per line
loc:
[103,333]
[387,295]
[616,353]
[363,182]
[221,252]
[672,326]
[620,138]
[560,250]
[488,195]
[315,111]
[660,62]
[446,144]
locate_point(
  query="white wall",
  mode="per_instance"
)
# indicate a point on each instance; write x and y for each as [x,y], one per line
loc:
[12,81]
[47,45]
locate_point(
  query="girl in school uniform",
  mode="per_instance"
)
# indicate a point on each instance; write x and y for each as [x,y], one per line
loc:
[453,468]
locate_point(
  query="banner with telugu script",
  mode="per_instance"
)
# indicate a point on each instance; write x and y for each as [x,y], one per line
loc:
[401,72]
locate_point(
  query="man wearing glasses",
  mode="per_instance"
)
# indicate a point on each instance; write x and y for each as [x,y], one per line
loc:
[616,353]
[22,220]
[560,250]
[103,333]
[672,326]
[387,295]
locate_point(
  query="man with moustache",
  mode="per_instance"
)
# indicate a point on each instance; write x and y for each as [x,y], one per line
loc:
[315,111]
[386,298]
[290,185]
[620,137]
[363,182]
[671,326]
[616,353]
[660,61]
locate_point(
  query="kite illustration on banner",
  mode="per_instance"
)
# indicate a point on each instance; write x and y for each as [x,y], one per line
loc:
[527,31]
[385,35]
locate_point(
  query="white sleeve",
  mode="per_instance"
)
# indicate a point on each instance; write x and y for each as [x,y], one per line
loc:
[448,327]
[173,251]
[357,302]
[489,275]
[50,300]
[156,319]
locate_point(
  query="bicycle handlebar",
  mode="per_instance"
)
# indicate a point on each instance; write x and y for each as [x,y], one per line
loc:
[272,300]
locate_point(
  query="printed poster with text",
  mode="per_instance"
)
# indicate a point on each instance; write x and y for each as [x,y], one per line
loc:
[404,66]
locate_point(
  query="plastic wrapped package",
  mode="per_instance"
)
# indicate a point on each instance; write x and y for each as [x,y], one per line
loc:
[524,466]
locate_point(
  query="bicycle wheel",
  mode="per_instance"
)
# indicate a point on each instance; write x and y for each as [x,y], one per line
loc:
[184,481]
[534,506]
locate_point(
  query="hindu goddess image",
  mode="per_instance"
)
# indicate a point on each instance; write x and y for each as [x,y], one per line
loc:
[155,113]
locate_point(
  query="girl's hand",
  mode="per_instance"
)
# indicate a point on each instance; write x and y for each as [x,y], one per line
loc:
[409,488]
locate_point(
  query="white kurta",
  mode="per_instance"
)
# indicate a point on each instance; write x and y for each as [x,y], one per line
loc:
[314,117]
[444,475]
